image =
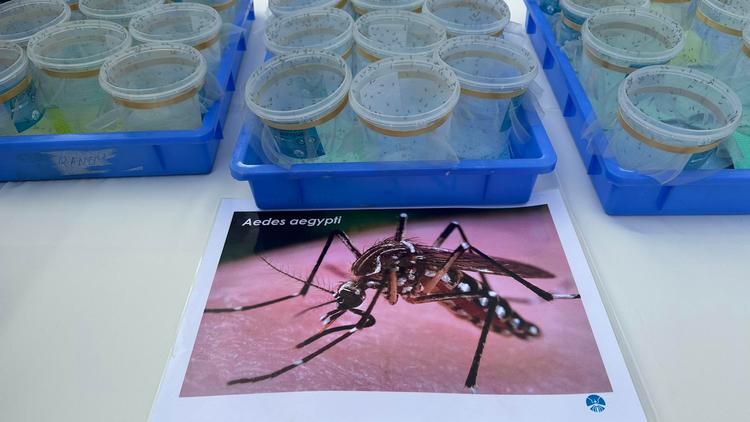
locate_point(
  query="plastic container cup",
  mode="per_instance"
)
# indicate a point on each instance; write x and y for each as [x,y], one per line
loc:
[302,101]
[672,119]
[617,41]
[196,25]
[323,29]
[67,59]
[469,17]
[493,74]
[19,109]
[740,82]
[118,11]
[20,19]
[75,12]
[573,13]
[394,33]
[362,7]
[681,11]
[715,36]
[405,104]
[227,8]
[155,86]
[281,8]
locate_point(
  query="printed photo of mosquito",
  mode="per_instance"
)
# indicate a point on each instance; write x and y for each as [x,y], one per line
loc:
[398,267]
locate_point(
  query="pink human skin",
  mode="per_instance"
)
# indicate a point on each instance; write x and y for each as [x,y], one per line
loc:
[412,348]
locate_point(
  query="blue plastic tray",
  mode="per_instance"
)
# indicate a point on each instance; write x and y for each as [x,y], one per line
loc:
[354,185]
[620,191]
[123,154]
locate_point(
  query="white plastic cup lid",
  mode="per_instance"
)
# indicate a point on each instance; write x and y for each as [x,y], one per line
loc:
[582,9]
[733,15]
[77,46]
[715,109]
[14,67]
[489,65]
[469,17]
[194,24]
[391,33]
[299,89]
[362,7]
[20,19]
[633,36]
[120,10]
[404,94]
[150,75]
[321,29]
[286,7]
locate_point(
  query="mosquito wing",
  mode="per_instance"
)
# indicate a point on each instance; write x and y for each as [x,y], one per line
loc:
[472,262]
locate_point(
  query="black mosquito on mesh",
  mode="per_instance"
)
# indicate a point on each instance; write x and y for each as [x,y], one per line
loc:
[398,267]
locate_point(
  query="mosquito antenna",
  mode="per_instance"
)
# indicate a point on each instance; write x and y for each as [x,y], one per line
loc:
[314,307]
[292,276]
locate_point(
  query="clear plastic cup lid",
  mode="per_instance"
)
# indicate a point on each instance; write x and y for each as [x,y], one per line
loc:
[78,45]
[13,65]
[582,9]
[321,29]
[487,64]
[20,19]
[299,88]
[734,15]
[469,17]
[285,7]
[153,73]
[679,104]
[115,9]
[632,35]
[404,94]
[364,6]
[187,23]
[388,33]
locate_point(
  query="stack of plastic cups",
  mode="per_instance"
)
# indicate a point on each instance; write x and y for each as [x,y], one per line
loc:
[405,105]
[67,59]
[156,86]
[281,8]
[21,19]
[226,8]
[573,13]
[617,41]
[681,11]
[715,36]
[362,7]
[740,82]
[394,33]
[323,29]
[19,110]
[117,11]
[494,74]
[469,17]
[301,100]
[672,119]
[196,25]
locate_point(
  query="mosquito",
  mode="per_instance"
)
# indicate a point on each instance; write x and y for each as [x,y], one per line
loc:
[398,267]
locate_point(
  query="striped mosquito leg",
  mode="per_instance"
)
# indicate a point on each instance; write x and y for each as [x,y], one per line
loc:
[471,379]
[430,285]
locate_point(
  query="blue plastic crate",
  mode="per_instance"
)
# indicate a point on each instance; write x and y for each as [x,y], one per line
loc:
[354,185]
[123,154]
[623,192]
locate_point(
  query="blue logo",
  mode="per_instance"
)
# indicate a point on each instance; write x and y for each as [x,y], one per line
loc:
[595,403]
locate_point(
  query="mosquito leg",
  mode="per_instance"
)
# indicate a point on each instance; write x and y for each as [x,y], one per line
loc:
[308,282]
[430,285]
[401,227]
[471,379]
[361,324]
[454,225]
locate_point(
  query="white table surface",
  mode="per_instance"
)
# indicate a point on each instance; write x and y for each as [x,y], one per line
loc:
[94,275]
